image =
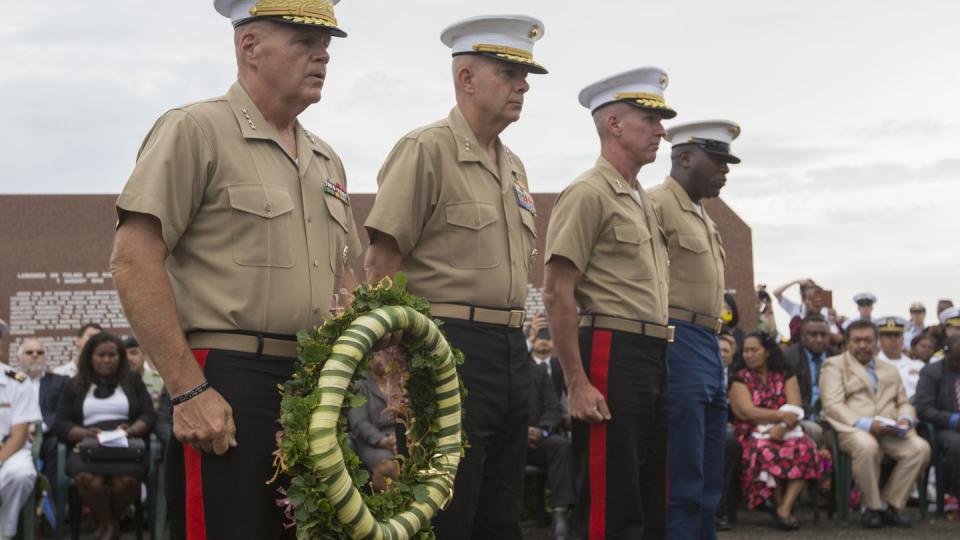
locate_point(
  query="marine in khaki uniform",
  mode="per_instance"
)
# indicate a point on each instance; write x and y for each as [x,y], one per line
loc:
[606,274]
[698,396]
[235,231]
[454,212]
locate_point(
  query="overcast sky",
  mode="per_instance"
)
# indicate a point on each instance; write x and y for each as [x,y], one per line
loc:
[850,110]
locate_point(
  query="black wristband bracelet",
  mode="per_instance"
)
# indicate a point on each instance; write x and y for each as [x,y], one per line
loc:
[190,394]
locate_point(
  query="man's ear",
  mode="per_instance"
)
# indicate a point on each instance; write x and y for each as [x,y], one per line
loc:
[247,45]
[466,77]
[613,125]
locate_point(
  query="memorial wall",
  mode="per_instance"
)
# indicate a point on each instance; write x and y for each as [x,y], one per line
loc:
[55,266]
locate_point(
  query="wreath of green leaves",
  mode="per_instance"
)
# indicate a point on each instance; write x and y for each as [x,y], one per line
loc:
[328,495]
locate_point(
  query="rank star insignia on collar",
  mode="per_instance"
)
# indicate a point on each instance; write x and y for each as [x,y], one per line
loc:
[524,199]
[337,190]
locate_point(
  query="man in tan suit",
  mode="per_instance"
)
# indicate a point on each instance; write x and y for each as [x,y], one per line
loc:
[866,404]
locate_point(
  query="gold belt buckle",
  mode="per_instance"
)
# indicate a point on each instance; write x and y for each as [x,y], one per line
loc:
[671,332]
[517,315]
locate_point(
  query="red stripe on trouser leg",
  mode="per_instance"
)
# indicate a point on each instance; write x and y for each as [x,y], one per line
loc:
[196,522]
[599,368]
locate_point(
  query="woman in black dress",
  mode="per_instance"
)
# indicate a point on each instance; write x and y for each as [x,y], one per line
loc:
[105,395]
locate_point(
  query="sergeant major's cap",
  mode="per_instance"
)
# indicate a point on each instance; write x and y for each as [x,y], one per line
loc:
[891,325]
[713,137]
[950,317]
[317,13]
[641,87]
[865,299]
[509,38]
[917,307]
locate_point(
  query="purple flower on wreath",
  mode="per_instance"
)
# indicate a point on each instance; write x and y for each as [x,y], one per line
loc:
[288,508]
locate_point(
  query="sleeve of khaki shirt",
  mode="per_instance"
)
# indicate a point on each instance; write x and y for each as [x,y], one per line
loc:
[170,175]
[575,223]
[407,194]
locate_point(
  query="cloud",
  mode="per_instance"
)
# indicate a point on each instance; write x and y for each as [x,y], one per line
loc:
[917,128]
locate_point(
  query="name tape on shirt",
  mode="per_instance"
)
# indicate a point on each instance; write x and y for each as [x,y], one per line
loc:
[337,190]
[524,199]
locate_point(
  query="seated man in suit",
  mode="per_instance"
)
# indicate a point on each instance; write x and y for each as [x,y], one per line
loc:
[47,386]
[865,402]
[549,448]
[806,359]
[938,402]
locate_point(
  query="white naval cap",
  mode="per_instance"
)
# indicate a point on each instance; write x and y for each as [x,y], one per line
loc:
[950,317]
[891,325]
[641,87]
[865,299]
[304,12]
[712,136]
[506,37]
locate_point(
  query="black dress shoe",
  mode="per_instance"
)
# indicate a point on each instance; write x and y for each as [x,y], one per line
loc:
[871,519]
[559,529]
[892,517]
[723,523]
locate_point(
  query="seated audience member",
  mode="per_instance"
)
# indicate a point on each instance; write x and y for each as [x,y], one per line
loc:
[141,363]
[805,360]
[777,456]
[949,326]
[18,412]
[86,332]
[105,395]
[549,449]
[938,402]
[918,313]
[891,350]
[732,451]
[373,426]
[865,402]
[47,387]
[541,350]
[922,348]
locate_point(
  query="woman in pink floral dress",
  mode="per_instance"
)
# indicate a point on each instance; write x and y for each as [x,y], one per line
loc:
[778,458]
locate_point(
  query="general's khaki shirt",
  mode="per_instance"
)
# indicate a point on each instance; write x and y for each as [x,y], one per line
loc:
[696,251]
[257,241]
[615,242]
[458,221]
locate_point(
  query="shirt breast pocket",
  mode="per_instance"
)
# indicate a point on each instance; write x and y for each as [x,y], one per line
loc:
[530,237]
[471,235]
[689,258]
[260,224]
[338,231]
[633,243]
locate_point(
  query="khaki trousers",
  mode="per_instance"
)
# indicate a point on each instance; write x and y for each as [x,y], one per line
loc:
[911,453]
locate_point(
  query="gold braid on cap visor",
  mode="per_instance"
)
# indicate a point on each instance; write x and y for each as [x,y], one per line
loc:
[319,12]
[642,98]
[507,53]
